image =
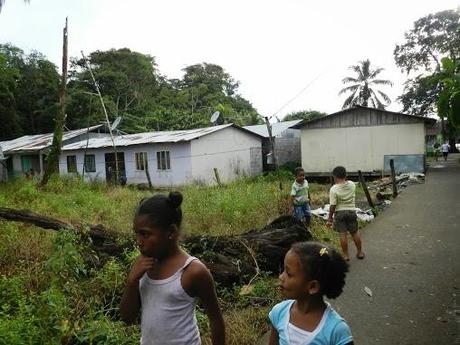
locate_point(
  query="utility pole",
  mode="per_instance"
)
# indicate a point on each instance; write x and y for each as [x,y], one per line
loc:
[55,151]
[272,141]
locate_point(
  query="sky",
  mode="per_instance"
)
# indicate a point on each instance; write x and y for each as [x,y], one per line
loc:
[288,55]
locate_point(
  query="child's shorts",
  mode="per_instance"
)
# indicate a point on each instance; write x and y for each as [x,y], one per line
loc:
[346,220]
[302,212]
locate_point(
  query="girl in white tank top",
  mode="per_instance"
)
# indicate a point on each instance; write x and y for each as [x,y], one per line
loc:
[165,283]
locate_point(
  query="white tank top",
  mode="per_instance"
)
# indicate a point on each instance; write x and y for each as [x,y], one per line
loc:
[168,312]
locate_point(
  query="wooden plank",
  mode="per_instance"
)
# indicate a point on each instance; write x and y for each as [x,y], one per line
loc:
[366,191]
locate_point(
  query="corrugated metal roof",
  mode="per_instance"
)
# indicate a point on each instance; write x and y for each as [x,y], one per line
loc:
[39,141]
[277,128]
[427,120]
[147,138]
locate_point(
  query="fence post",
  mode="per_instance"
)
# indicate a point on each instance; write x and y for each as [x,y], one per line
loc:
[393,178]
[366,191]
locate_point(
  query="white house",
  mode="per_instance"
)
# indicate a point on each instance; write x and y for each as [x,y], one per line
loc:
[172,157]
[29,151]
[286,141]
[365,139]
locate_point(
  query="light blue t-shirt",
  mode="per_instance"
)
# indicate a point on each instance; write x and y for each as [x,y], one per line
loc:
[334,331]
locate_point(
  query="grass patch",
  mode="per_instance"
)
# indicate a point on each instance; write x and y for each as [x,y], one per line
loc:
[51,293]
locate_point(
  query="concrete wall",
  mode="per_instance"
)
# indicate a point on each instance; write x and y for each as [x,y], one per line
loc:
[180,172]
[287,146]
[233,152]
[358,148]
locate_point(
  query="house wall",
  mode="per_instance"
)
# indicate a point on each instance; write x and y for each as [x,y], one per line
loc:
[358,148]
[180,172]
[287,147]
[233,152]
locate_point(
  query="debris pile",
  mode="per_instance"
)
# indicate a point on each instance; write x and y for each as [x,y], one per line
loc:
[383,187]
[323,212]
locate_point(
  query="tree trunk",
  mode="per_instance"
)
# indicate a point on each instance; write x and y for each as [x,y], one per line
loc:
[230,259]
[53,156]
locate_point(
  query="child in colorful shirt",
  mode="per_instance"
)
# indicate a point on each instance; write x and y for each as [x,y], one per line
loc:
[300,197]
[311,271]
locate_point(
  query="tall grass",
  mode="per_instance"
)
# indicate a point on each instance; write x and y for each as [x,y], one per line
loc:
[51,292]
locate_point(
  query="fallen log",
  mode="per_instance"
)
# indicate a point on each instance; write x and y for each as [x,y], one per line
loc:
[230,259]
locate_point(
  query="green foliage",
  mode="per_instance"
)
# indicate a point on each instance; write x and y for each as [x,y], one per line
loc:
[133,88]
[55,290]
[28,92]
[433,37]
[449,98]
[363,90]
[304,115]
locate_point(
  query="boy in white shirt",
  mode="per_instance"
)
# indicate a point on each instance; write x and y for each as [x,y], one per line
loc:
[342,204]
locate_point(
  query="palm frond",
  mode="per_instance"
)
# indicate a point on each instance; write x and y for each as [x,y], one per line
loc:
[377,103]
[349,80]
[381,82]
[358,70]
[385,97]
[375,72]
[350,100]
[351,88]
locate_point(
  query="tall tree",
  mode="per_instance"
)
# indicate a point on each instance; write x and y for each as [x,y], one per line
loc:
[363,90]
[52,159]
[28,92]
[432,37]
[304,115]
[449,98]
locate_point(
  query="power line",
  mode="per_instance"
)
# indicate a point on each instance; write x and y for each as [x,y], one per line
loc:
[297,95]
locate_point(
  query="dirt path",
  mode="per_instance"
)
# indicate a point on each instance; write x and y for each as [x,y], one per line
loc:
[412,267]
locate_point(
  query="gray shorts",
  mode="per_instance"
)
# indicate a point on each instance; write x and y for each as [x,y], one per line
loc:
[345,220]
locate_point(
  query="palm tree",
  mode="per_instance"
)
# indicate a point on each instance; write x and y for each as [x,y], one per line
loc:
[362,92]
[2,2]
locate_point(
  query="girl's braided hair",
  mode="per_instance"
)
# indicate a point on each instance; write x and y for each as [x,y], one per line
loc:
[323,263]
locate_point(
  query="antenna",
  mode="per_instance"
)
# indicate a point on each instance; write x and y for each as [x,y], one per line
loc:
[115,123]
[214,117]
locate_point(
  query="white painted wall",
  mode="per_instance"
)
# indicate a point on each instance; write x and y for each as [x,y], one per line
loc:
[180,172]
[358,148]
[228,150]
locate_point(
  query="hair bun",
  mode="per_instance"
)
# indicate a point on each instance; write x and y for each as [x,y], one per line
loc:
[175,199]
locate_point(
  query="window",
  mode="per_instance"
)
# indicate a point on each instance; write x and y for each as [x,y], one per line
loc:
[71,164]
[90,163]
[141,160]
[163,162]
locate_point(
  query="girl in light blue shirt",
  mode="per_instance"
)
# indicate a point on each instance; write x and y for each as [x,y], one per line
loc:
[311,271]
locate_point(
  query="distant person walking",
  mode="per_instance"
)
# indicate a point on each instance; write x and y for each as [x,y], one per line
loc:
[445,150]
[342,211]
[436,149]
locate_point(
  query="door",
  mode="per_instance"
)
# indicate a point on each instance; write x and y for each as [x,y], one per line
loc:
[110,166]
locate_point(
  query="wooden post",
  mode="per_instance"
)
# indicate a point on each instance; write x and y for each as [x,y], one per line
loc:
[52,159]
[216,173]
[366,191]
[393,178]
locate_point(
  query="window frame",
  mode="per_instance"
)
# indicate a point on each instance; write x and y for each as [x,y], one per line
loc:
[74,169]
[141,158]
[85,163]
[164,160]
